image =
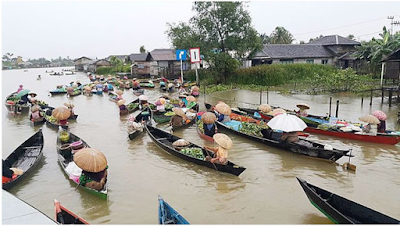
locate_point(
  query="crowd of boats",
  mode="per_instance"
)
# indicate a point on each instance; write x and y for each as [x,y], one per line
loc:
[273,126]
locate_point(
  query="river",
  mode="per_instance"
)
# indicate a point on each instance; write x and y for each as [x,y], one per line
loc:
[267,192]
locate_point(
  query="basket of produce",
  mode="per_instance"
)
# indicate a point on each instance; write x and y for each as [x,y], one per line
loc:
[64,136]
[193,152]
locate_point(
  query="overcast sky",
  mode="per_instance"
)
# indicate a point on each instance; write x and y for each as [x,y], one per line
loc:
[50,29]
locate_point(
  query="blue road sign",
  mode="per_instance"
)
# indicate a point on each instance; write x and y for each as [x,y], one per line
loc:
[180,54]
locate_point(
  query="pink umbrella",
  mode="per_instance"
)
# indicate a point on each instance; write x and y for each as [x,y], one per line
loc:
[380,115]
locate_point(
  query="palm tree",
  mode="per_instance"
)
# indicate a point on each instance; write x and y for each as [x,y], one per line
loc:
[281,36]
[265,39]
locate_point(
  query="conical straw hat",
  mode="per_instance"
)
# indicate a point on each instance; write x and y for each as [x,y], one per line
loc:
[121,102]
[191,99]
[68,105]
[195,88]
[96,82]
[370,119]
[223,108]
[170,85]
[181,142]
[61,113]
[303,106]
[88,88]
[91,160]
[278,111]
[208,118]
[178,111]
[143,97]
[223,140]
[265,108]
[162,100]
[120,92]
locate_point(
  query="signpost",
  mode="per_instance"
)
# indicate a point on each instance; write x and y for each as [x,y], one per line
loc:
[181,55]
[195,58]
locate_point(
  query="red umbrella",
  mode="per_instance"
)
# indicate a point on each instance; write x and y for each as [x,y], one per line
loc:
[380,115]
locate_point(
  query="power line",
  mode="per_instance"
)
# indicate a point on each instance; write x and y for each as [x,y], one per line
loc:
[381,18]
[367,34]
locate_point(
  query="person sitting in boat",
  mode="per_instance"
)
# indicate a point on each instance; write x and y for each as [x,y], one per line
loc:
[36,115]
[160,104]
[70,90]
[39,77]
[221,152]
[93,180]
[162,85]
[63,122]
[223,118]
[178,119]
[24,99]
[21,87]
[209,129]
[302,110]
[133,125]
[382,126]
[170,87]
[370,129]
[8,173]
[181,89]
[291,137]
[135,85]
[142,117]
[70,107]
[122,106]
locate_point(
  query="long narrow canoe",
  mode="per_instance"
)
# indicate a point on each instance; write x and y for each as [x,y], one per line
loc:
[160,117]
[12,106]
[184,126]
[341,210]
[133,109]
[164,140]
[381,138]
[47,107]
[53,125]
[138,92]
[65,216]
[65,157]
[26,157]
[168,215]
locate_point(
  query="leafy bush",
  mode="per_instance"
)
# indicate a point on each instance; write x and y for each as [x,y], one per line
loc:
[105,70]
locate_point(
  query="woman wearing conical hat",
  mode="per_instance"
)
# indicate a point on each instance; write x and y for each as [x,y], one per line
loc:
[221,152]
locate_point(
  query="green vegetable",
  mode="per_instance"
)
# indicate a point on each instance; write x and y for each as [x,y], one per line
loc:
[169,113]
[132,106]
[253,128]
[194,152]
[200,125]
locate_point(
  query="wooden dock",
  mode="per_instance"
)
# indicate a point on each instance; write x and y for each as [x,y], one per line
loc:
[17,212]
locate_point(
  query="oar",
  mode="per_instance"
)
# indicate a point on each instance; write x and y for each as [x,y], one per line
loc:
[348,165]
[210,161]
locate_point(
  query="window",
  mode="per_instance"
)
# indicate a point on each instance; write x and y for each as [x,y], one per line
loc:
[310,61]
[141,66]
[287,61]
[324,61]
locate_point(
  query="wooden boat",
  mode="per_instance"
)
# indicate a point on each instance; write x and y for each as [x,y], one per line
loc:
[54,125]
[138,92]
[76,93]
[168,215]
[60,91]
[123,112]
[65,216]
[164,140]
[381,138]
[160,117]
[12,105]
[201,133]
[65,157]
[184,126]
[341,210]
[38,122]
[26,157]
[112,96]
[146,85]
[133,103]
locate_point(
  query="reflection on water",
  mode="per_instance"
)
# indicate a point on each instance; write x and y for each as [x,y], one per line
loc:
[265,193]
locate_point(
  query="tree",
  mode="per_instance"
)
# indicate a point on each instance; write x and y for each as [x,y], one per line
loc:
[316,38]
[142,49]
[265,39]
[223,27]
[350,36]
[281,36]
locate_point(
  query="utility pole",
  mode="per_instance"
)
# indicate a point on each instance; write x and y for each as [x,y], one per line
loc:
[391,24]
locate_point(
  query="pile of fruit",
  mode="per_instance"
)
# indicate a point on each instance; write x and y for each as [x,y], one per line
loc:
[132,106]
[174,101]
[200,125]
[64,136]
[194,152]
[41,102]
[51,119]
[168,106]
[253,128]
[169,113]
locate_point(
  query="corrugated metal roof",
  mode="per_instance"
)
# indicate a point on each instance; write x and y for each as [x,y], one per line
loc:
[283,51]
[138,56]
[394,56]
[163,55]
[334,40]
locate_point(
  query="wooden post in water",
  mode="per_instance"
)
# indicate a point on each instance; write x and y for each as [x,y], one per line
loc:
[383,94]
[260,96]
[330,106]
[362,100]
[337,108]
[267,97]
[370,101]
[390,97]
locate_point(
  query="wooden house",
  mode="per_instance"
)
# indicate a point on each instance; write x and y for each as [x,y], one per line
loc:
[392,65]
[82,63]
[164,63]
[97,64]
[141,64]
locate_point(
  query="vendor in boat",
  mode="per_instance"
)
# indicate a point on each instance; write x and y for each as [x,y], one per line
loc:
[143,117]
[208,120]
[162,85]
[63,122]
[195,91]
[382,126]
[192,103]
[122,106]
[8,174]
[370,129]
[178,119]
[221,152]
[182,101]
[93,180]
[223,111]
[133,125]
[170,87]
[36,115]
[291,137]
[135,84]
[302,110]
[160,104]
[70,107]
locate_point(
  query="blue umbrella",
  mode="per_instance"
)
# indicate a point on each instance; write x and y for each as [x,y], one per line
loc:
[22,92]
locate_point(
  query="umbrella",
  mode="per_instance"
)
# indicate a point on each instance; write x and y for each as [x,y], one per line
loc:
[287,123]
[265,108]
[120,92]
[179,111]
[223,140]
[278,111]
[68,105]
[61,113]
[143,97]
[208,118]
[195,88]
[223,108]
[91,160]
[191,99]
[121,102]
[22,93]
[370,119]
[380,115]
[303,106]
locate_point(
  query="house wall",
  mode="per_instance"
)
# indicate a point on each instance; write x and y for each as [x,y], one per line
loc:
[83,61]
[341,49]
[392,70]
[304,61]
[143,67]
[154,69]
